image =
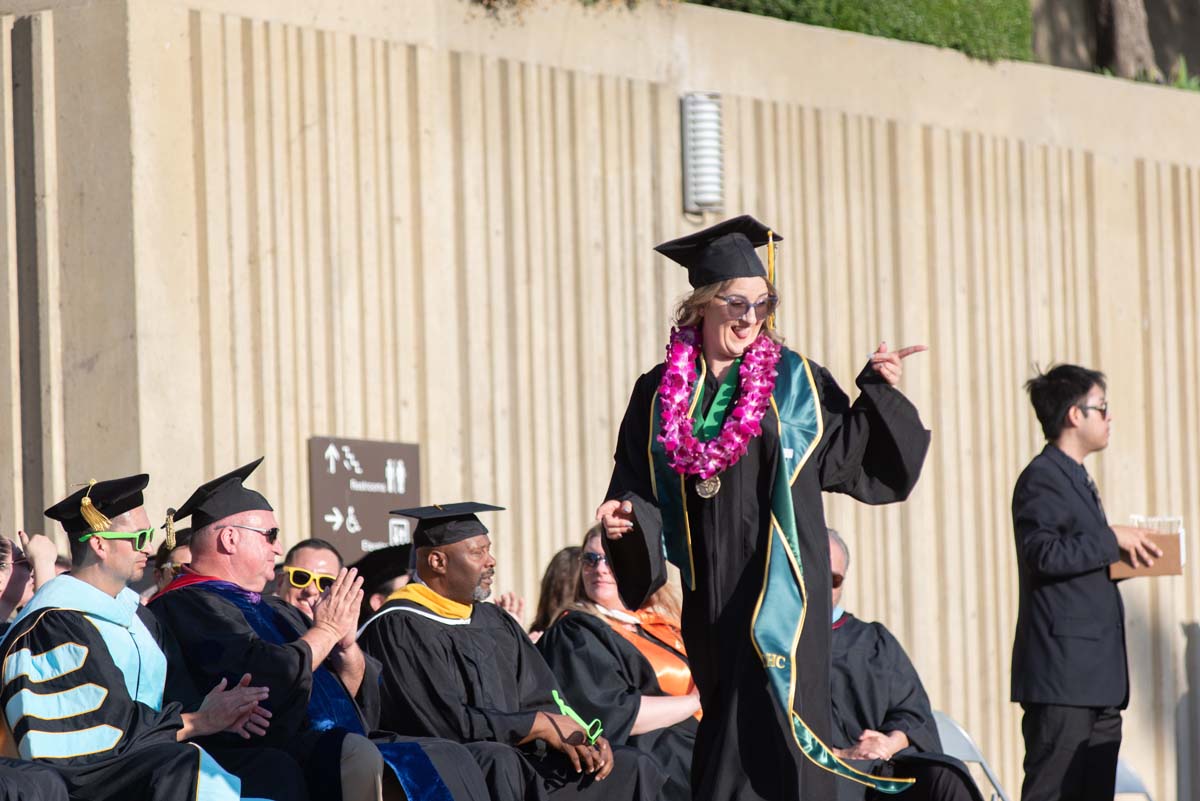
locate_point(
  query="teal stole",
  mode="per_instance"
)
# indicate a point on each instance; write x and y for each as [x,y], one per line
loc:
[779,614]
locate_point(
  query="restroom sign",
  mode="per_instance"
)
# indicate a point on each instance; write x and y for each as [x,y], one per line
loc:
[353,484]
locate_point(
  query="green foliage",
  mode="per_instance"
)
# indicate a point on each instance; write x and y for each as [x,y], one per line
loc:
[1180,78]
[986,29]
[495,7]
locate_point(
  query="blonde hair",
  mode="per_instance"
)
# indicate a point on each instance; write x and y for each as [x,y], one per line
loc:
[690,308]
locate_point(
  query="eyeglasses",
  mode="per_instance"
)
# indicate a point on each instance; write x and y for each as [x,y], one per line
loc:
[300,578]
[13,563]
[271,534]
[140,538]
[171,566]
[1102,408]
[594,560]
[738,307]
[836,580]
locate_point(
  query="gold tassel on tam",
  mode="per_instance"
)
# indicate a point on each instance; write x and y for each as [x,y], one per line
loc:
[170,526]
[91,515]
[771,270]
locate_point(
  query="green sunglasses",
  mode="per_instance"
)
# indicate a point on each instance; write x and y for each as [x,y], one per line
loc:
[140,538]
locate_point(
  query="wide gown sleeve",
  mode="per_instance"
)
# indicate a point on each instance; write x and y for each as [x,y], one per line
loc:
[873,449]
[637,558]
[593,674]
[64,698]
[216,642]
[909,710]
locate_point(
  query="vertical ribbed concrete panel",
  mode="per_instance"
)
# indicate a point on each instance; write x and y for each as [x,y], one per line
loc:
[406,221]
[531,194]
[11,450]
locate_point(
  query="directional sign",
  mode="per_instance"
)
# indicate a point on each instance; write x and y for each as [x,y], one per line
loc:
[352,485]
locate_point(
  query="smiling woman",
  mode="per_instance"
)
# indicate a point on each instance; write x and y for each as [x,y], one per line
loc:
[720,463]
[628,667]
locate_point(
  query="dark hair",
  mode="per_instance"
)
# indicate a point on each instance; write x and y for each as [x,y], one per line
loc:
[316,544]
[183,539]
[558,587]
[1055,391]
[79,550]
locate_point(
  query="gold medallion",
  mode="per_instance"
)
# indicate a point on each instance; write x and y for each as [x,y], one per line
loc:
[709,487]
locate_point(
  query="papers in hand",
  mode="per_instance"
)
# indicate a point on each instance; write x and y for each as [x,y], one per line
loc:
[1170,537]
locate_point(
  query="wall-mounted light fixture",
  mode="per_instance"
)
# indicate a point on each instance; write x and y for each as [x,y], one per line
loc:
[703,157]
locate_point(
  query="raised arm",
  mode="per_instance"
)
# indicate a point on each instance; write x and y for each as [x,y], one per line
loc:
[873,449]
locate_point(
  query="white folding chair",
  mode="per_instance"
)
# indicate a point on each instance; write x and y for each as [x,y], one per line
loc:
[958,744]
[1128,782]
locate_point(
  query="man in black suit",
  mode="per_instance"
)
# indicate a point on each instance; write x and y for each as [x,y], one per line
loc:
[1069,670]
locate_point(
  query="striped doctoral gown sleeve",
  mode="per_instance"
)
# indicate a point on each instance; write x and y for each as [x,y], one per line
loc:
[66,704]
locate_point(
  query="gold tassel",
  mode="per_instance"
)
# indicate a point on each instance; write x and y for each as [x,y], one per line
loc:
[91,515]
[170,529]
[771,270]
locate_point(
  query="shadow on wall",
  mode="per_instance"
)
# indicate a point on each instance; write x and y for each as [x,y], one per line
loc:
[1175,32]
[1064,33]
[1187,716]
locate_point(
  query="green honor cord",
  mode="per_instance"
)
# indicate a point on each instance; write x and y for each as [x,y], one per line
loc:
[593,729]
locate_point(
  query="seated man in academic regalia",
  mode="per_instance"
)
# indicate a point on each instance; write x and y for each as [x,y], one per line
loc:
[324,691]
[882,721]
[458,668]
[84,673]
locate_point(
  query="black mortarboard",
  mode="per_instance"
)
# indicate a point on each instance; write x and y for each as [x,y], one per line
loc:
[448,523]
[218,499]
[89,508]
[379,567]
[722,251]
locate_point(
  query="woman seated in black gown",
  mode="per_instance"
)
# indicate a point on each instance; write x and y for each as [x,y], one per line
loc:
[628,668]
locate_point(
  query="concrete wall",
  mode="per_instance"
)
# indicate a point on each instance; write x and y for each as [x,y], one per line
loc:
[259,221]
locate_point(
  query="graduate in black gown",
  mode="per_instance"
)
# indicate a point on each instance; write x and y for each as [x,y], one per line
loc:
[882,720]
[324,690]
[721,460]
[458,668]
[628,667]
[84,677]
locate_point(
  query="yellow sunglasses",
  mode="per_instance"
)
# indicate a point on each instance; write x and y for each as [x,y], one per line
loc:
[300,578]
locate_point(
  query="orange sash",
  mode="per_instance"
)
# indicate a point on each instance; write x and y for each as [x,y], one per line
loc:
[669,662]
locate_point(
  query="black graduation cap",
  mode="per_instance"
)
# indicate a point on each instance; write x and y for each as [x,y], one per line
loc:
[379,567]
[90,507]
[218,499]
[722,251]
[446,524]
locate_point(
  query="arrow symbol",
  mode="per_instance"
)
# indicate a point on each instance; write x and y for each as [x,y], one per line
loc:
[334,518]
[331,455]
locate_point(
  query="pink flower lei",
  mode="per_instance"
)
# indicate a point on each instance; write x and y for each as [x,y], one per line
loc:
[686,454]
